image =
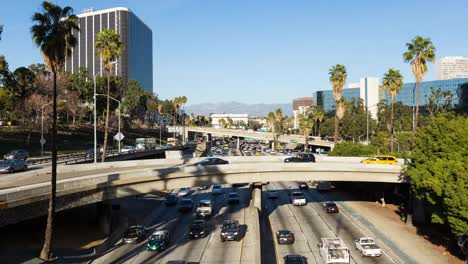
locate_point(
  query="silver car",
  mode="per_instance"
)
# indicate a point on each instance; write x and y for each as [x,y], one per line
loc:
[11,166]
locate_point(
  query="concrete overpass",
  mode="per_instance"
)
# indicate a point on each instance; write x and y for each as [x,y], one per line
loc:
[259,135]
[120,179]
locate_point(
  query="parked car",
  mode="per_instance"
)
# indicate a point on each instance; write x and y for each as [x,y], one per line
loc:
[233,198]
[272,194]
[11,166]
[295,259]
[330,208]
[135,234]
[301,157]
[21,154]
[217,189]
[303,185]
[211,161]
[298,198]
[381,159]
[284,237]
[185,205]
[231,230]
[170,199]
[198,229]
[158,241]
[184,192]
[368,247]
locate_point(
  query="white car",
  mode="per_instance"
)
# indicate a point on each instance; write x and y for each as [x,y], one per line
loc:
[368,247]
[217,189]
[128,149]
[184,192]
[298,198]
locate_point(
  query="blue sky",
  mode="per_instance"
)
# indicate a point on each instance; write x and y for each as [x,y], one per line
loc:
[264,51]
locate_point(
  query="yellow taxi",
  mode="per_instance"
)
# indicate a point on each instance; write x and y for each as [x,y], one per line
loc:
[381,159]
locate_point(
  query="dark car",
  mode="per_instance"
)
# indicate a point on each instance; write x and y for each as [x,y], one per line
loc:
[198,229]
[185,205]
[231,230]
[284,237]
[301,157]
[170,199]
[233,198]
[295,259]
[158,241]
[20,154]
[134,234]
[330,208]
[303,185]
[211,161]
[11,166]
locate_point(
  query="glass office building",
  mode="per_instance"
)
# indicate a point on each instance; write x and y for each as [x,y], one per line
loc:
[405,95]
[327,102]
[136,59]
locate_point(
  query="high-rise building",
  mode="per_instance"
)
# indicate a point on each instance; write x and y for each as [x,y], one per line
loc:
[451,68]
[300,106]
[136,59]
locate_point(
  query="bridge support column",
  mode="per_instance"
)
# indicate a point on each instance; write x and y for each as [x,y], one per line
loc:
[105,217]
[238,142]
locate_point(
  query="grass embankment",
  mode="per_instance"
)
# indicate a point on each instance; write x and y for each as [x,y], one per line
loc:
[73,139]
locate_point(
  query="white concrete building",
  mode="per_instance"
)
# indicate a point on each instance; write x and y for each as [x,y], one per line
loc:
[453,67]
[236,118]
[369,92]
[300,110]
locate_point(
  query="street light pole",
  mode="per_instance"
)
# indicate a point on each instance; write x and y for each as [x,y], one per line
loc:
[118,108]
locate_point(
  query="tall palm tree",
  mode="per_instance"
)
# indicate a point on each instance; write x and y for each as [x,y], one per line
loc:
[271,120]
[319,115]
[306,124]
[338,79]
[52,33]
[420,51]
[392,82]
[108,46]
[279,120]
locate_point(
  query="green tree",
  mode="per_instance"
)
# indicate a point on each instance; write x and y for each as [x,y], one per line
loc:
[38,69]
[223,122]
[392,82]
[52,33]
[230,122]
[439,171]
[279,121]
[5,73]
[439,101]
[1,31]
[420,51]
[81,83]
[319,115]
[109,47]
[306,124]
[131,101]
[353,125]
[338,79]
[350,149]
[22,85]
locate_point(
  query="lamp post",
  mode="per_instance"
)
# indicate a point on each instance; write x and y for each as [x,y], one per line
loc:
[42,126]
[94,110]
[165,114]
[118,110]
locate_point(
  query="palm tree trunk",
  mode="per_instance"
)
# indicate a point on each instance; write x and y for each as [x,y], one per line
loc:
[336,130]
[46,249]
[391,131]
[415,124]
[106,129]
[306,141]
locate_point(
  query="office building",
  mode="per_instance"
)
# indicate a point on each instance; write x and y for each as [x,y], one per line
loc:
[451,68]
[327,102]
[300,106]
[136,59]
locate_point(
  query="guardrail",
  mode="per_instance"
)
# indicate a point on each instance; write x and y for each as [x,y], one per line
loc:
[61,157]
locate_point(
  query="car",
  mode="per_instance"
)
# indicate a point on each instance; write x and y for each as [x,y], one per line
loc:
[158,241]
[295,259]
[284,237]
[198,229]
[323,186]
[185,205]
[330,208]
[10,166]
[298,198]
[381,159]
[211,161]
[303,185]
[217,189]
[170,199]
[205,208]
[134,234]
[272,194]
[233,198]
[184,192]
[128,149]
[230,230]
[16,154]
[367,247]
[301,157]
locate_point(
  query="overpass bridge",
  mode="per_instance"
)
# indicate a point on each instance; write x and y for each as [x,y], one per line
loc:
[84,184]
[258,135]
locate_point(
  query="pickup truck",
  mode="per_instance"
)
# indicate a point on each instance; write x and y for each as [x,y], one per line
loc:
[368,247]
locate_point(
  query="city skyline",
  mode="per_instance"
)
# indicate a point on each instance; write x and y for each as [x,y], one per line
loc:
[281,51]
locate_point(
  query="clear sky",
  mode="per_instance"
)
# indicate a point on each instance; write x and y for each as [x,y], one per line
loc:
[264,51]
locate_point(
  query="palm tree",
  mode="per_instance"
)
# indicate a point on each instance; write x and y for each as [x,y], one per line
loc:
[420,51]
[108,46]
[52,33]
[338,79]
[392,82]
[279,120]
[306,124]
[319,115]
[271,120]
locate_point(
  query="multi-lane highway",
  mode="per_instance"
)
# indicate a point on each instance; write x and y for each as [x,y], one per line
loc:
[309,224]
[209,249]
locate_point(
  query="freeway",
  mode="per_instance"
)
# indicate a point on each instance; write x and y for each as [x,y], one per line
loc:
[310,223]
[204,250]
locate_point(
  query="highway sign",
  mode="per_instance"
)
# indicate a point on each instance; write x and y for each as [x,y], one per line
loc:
[119,136]
[42,141]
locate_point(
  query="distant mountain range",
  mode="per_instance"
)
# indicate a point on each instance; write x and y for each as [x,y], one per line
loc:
[237,108]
